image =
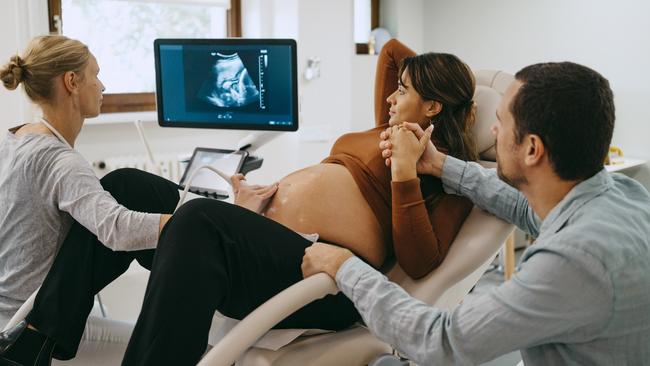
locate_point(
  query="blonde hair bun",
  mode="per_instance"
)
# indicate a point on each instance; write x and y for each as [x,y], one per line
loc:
[45,58]
[13,73]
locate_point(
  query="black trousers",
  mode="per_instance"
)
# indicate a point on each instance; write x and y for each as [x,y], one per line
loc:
[216,256]
[84,265]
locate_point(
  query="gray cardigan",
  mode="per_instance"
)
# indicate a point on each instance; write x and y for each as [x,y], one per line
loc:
[44,185]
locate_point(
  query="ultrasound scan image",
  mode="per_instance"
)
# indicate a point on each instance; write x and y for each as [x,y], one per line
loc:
[229,84]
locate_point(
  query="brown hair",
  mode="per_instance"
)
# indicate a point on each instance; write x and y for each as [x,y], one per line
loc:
[445,78]
[45,58]
[571,108]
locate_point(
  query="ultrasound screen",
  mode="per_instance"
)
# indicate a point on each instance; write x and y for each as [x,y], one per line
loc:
[228,83]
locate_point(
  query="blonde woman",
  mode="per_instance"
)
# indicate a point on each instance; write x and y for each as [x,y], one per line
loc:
[52,201]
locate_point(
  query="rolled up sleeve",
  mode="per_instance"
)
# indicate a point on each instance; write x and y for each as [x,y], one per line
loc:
[486,190]
[78,192]
[535,307]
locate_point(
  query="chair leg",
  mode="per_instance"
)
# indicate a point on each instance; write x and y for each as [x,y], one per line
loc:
[101,305]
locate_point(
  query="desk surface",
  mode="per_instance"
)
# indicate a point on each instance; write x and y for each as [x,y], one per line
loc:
[626,164]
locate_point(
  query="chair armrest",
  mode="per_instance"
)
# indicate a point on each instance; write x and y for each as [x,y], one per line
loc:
[476,244]
[257,323]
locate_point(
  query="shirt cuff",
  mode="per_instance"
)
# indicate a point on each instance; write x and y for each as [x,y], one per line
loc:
[407,192]
[452,174]
[349,274]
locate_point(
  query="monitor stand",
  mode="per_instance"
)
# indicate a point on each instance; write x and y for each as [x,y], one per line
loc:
[252,162]
[251,143]
[255,140]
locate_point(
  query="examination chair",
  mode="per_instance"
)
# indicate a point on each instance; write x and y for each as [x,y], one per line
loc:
[473,250]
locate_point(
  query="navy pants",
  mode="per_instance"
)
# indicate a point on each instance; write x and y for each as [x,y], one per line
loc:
[216,256]
[84,266]
[211,256]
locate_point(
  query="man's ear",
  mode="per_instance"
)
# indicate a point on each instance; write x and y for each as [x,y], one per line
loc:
[70,81]
[535,150]
[433,108]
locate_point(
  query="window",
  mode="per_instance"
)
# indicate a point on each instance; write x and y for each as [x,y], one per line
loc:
[120,34]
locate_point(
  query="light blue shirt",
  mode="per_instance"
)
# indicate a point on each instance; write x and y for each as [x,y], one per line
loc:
[581,297]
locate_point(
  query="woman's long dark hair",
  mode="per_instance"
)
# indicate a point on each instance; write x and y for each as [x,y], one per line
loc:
[445,78]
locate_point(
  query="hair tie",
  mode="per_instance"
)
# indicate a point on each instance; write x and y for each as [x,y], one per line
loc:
[17,60]
[16,68]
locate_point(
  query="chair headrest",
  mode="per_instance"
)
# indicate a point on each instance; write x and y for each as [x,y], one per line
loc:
[490,86]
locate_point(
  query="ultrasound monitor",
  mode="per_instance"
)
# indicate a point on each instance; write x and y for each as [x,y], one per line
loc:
[247,84]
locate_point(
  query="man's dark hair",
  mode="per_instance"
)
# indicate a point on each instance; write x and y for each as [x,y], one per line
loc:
[571,108]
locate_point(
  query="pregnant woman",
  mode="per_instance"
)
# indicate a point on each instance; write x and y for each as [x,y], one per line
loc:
[216,256]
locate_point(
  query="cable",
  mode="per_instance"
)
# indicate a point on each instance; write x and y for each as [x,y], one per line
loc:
[158,169]
[143,138]
[101,305]
[189,181]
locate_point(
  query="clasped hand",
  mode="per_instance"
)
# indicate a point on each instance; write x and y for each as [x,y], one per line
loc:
[407,145]
[252,197]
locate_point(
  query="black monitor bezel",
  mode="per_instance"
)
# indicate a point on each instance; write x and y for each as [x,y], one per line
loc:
[230,42]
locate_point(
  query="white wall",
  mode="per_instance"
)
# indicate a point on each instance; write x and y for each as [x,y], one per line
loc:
[504,34]
[362,83]
[8,46]
[610,36]
[404,20]
[270,18]
[325,32]
[25,19]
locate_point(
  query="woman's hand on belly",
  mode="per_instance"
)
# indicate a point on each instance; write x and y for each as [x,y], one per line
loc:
[255,197]
[325,199]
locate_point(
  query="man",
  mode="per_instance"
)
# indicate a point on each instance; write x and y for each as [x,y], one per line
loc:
[582,295]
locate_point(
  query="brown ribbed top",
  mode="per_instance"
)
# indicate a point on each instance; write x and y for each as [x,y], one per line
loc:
[420,230]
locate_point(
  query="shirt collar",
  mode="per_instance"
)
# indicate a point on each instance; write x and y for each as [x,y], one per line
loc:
[582,193]
[14,129]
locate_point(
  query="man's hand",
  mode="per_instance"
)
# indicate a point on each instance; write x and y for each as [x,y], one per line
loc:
[255,197]
[431,160]
[326,258]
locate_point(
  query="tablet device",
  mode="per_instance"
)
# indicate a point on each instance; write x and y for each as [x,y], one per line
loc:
[207,182]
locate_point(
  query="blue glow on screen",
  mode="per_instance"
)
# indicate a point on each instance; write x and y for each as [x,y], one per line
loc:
[227,84]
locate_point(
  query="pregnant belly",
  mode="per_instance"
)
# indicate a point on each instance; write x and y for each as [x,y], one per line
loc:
[325,199]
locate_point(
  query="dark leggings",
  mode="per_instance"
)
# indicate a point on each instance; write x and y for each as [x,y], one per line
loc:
[217,256]
[84,265]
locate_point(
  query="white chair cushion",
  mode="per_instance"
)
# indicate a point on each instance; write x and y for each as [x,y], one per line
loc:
[487,101]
